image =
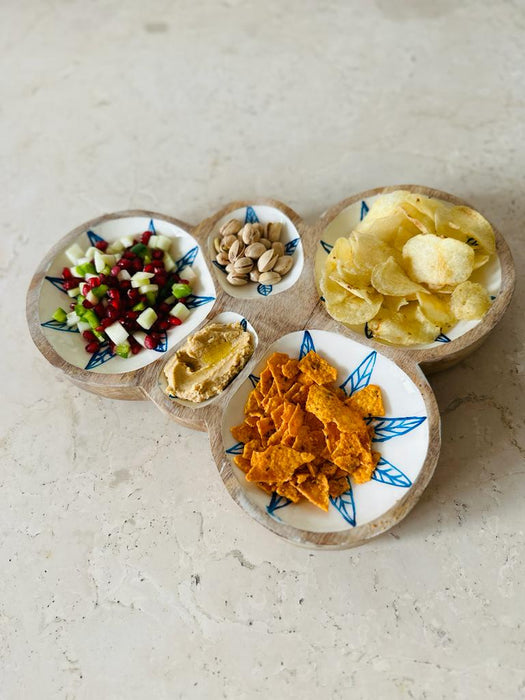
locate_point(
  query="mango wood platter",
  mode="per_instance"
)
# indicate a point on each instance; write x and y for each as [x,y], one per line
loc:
[290,317]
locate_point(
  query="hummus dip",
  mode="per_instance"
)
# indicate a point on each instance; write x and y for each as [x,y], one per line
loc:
[208,361]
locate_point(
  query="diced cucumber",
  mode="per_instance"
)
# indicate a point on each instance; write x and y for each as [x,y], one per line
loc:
[180,311]
[151,297]
[74,253]
[169,262]
[92,297]
[140,337]
[163,243]
[152,243]
[127,241]
[188,274]
[143,275]
[91,317]
[83,326]
[117,333]
[170,300]
[140,306]
[80,310]
[89,275]
[140,249]
[181,290]
[100,290]
[146,319]
[115,247]
[72,319]
[60,315]
[123,349]
[123,275]
[99,261]
[90,253]
[73,292]
[145,288]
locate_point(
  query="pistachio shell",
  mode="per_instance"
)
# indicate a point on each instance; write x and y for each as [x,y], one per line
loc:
[217,244]
[243,265]
[228,241]
[255,250]
[222,258]
[266,243]
[237,280]
[254,275]
[278,247]
[232,226]
[236,250]
[269,278]
[267,261]
[274,230]
[250,234]
[283,265]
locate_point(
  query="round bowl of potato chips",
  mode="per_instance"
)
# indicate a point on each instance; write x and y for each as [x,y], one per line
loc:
[414,268]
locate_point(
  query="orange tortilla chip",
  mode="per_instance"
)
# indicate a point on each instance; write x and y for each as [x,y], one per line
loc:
[244,433]
[367,401]
[327,407]
[338,486]
[290,369]
[276,464]
[253,402]
[317,368]
[243,463]
[288,490]
[265,381]
[316,490]
[266,428]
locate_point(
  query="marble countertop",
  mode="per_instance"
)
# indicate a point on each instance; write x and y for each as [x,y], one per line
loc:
[127,570]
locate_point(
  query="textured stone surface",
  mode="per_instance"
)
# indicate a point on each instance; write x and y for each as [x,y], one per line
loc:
[127,571]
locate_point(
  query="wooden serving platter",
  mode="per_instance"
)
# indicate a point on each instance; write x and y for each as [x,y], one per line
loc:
[273,314]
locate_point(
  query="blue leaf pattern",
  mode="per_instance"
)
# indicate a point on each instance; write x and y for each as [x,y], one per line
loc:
[193,301]
[291,246]
[244,324]
[57,282]
[364,209]
[388,428]
[345,505]
[387,473]
[163,345]
[151,227]
[94,238]
[187,259]
[360,377]
[264,289]
[59,326]
[222,268]
[254,380]
[306,345]
[236,449]
[98,358]
[368,332]
[251,217]
[326,246]
[276,502]
[442,338]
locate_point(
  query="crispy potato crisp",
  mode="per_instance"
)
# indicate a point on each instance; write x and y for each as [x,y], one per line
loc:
[303,438]
[396,269]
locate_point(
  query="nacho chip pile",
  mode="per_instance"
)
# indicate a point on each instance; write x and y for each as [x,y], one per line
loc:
[302,436]
[409,269]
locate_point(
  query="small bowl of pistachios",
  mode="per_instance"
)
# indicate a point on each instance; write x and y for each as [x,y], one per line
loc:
[256,251]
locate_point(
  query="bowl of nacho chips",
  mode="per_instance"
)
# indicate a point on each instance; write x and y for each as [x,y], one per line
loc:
[329,442]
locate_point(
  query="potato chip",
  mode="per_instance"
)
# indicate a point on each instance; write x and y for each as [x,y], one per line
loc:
[276,464]
[368,252]
[469,301]
[466,224]
[418,218]
[436,307]
[408,326]
[361,292]
[383,228]
[436,261]
[382,207]
[351,310]
[316,490]
[389,278]
[367,401]
[317,368]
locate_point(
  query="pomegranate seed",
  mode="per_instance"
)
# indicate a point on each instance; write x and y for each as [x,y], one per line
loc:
[164,308]
[72,305]
[145,237]
[135,349]
[125,284]
[133,294]
[161,280]
[69,284]
[94,282]
[103,279]
[158,254]
[137,265]
[92,347]
[163,325]
[102,245]
[66,273]
[174,321]
[87,304]
[99,329]
[132,315]
[115,303]
[150,342]
[115,270]
[106,322]
[100,309]
[89,335]
[183,300]
[183,281]
[149,267]
[113,294]
[128,255]
[111,313]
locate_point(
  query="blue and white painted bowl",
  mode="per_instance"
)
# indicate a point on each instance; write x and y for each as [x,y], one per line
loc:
[290,237]
[70,345]
[402,437]
[344,223]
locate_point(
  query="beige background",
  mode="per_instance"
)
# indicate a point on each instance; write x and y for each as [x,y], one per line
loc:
[126,569]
